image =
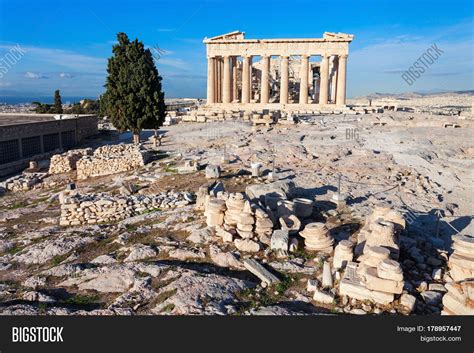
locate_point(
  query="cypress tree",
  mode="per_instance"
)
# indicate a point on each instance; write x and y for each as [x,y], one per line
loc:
[58,105]
[133,99]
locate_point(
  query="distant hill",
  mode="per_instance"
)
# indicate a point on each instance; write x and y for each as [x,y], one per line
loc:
[408,95]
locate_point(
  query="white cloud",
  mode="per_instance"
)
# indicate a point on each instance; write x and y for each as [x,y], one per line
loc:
[378,67]
[34,75]
[176,63]
[5,84]
[69,60]
[65,75]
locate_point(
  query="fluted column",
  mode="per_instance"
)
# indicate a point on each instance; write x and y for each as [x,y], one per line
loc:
[333,75]
[250,78]
[324,74]
[218,80]
[304,79]
[341,81]
[221,74]
[284,80]
[216,91]
[246,79]
[211,76]
[226,81]
[235,88]
[265,84]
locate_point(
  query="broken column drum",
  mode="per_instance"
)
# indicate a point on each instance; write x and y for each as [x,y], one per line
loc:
[215,212]
[317,237]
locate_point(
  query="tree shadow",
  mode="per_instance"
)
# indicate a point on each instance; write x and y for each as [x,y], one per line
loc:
[344,231]
[438,230]
[313,192]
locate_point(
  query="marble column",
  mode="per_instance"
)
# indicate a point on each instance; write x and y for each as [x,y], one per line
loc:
[250,79]
[246,79]
[304,79]
[284,80]
[324,77]
[221,74]
[265,79]
[211,76]
[226,97]
[334,73]
[218,80]
[341,81]
[235,89]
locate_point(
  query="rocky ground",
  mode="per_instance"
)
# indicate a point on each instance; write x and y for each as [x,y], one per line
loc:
[166,261]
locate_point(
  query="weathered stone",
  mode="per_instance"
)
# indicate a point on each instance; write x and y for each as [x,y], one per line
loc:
[408,301]
[213,172]
[353,286]
[290,223]
[431,297]
[247,245]
[279,240]
[141,252]
[224,259]
[327,281]
[186,254]
[322,297]
[281,187]
[261,272]
[311,285]
[303,207]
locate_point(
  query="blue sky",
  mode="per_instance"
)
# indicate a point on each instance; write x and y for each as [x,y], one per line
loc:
[66,43]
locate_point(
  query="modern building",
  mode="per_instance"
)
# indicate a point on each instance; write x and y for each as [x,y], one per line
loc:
[26,137]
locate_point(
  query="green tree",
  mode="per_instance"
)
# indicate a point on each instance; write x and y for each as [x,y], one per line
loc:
[133,98]
[58,105]
[41,108]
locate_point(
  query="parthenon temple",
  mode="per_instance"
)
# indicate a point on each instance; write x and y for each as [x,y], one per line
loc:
[287,76]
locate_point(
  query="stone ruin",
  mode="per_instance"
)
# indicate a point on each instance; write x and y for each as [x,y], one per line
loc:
[105,160]
[111,159]
[77,209]
[247,221]
[377,276]
[266,215]
[66,162]
[23,182]
[459,300]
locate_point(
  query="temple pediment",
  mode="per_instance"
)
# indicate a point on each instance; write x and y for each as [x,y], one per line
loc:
[338,36]
[231,35]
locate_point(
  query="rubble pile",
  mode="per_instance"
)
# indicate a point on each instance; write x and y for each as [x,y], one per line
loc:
[461,261]
[263,225]
[23,182]
[459,300]
[382,228]
[66,162]
[77,209]
[111,159]
[266,118]
[234,204]
[343,254]
[234,216]
[378,276]
[262,116]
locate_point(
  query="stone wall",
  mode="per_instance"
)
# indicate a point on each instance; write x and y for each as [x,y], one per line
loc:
[111,159]
[66,162]
[77,209]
